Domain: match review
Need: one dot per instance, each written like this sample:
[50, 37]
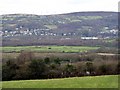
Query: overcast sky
[45, 7]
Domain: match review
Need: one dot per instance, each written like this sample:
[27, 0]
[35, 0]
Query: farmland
[110, 81]
[71, 50]
[67, 49]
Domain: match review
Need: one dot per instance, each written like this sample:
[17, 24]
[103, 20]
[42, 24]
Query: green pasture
[110, 81]
[73, 49]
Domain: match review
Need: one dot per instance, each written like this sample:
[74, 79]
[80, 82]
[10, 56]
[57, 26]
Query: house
[89, 38]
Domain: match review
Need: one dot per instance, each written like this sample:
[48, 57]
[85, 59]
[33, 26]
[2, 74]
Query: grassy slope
[49, 48]
[76, 82]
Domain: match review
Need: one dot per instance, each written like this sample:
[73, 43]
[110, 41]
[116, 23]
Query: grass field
[110, 81]
[48, 48]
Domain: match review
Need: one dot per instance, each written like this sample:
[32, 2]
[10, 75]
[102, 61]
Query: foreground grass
[48, 48]
[76, 82]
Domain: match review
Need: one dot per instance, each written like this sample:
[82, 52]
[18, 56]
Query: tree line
[27, 66]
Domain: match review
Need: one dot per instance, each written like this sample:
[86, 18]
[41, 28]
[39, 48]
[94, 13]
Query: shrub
[9, 70]
[57, 61]
[47, 60]
[25, 56]
[69, 70]
[103, 69]
[89, 67]
[118, 68]
[37, 68]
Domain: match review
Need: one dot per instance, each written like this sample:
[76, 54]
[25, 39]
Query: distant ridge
[64, 13]
[58, 29]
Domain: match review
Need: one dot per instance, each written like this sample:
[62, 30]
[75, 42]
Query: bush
[37, 68]
[69, 70]
[47, 60]
[89, 67]
[103, 69]
[25, 56]
[118, 68]
[9, 70]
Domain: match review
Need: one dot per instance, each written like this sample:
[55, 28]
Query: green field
[73, 49]
[110, 81]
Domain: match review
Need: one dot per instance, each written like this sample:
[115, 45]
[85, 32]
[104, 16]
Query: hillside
[61, 29]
